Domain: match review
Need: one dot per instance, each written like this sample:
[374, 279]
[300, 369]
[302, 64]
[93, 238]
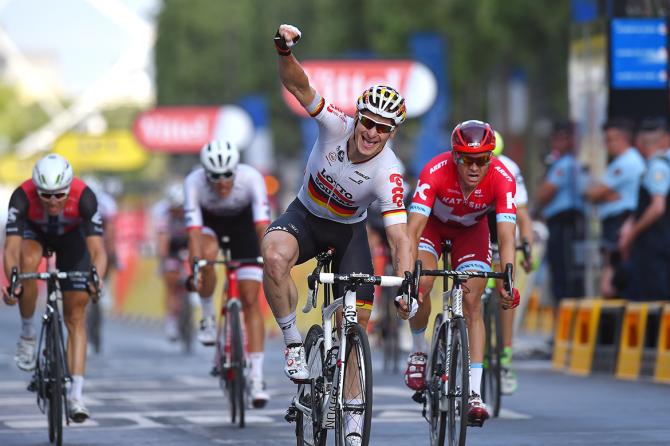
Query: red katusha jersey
[438, 194]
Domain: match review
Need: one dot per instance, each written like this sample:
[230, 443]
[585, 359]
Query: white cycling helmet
[52, 173]
[175, 195]
[219, 157]
[383, 101]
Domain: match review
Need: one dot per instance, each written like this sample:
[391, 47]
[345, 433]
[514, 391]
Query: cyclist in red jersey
[55, 212]
[454, 193]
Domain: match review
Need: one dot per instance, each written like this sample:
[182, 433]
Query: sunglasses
[48, 195]
[214, 177]
[369, 123]
[468, 161]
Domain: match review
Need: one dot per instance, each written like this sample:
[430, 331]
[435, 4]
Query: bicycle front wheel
[491, 388]
[308, 430]
[236, 378]
[55, 376]
[436, 389]
[458, 388]
[355, 414]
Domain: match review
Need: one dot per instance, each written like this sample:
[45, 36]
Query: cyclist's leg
[171, 279]
[209, 247]
[31, 256]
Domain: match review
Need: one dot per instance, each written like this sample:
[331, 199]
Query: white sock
[27, 328]
[419, 343]
[76, 387]
[207, 306]
[289, 329]
[476, 369]
[353, 420]
[256, 362]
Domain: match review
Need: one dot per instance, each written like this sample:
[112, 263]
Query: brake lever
[95, 279]
[508, 282]
[14, 279]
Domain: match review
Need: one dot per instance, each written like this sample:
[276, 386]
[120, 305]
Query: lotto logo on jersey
[398, 191]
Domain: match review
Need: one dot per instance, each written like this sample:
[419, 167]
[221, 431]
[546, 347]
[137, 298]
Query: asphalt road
[144, 391]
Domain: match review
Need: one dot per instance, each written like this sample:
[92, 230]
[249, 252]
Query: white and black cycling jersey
[334, 188]
[248, 191]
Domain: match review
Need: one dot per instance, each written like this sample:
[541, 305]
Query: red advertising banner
[342, 81]
[187, 129]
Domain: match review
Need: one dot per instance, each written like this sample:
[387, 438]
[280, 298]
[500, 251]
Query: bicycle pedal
[259, 404]
[32, 387]
[291, 414]
[419, 397]
[214, 372]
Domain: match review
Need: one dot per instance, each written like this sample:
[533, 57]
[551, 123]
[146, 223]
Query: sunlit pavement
[144, 391]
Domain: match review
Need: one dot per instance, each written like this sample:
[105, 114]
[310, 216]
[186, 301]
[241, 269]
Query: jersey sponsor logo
[502, 172]
[421, 190]
[356, 181]
[11, 215]
[398, 191]
[323, 175]
[331, 157]
[361, 174]
[438, 166]
[340, 155]
[510, 200]
[478, 193]
[97, 218]
[455, 201]
[337, 112]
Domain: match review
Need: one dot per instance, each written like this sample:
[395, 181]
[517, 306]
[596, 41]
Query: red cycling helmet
[473, 137]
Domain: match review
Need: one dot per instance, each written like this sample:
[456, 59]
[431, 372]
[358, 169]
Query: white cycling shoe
[353, 439]
[259, 397]
[78, 411]
[296, 365]
[25, 354]
[207, 332]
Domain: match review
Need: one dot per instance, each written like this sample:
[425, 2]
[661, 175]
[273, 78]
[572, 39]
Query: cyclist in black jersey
[55, 212]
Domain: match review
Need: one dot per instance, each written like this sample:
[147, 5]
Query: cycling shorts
[243, 241]
[315, 235]
[71, 253]
[470, 245]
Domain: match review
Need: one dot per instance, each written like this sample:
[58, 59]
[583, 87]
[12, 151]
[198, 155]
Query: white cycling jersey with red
[334, 188]
[438, 194]
[248, 190]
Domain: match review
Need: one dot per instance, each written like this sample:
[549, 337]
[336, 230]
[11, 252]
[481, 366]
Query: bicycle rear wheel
[355, 415]
[435, 384]
[235, 376]
[458, 388]
[491, 387]
[308, 430]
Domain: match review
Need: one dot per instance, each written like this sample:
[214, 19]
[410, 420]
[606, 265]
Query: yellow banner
[114, 151]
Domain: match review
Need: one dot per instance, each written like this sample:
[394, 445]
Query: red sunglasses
[468, 161]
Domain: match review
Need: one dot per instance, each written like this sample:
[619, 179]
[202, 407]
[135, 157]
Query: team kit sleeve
[390, 195]
[91, 219]
[505, 199]
[192, 212]
[17, 212]
[260, 204]
[332, 121]
[424, 193]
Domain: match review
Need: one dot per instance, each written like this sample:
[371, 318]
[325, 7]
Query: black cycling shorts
[71, 253]
[239, 228]
[315, 235]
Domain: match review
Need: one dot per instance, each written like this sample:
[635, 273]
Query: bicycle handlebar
[91, 276]
[360, 279]
[506, 275]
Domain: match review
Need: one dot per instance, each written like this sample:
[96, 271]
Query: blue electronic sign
[639, 53]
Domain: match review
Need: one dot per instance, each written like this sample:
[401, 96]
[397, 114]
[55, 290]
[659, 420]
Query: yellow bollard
[662, 372]
[531, 317]
[584, 336]
[563, 333]
[632, 341]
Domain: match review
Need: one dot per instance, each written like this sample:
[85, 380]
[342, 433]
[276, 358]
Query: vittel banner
[342, 81]
[187, 129]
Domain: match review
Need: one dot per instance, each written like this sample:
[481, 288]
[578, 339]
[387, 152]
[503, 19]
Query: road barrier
[563, 333]
[608, 336]
[639, 340]
[584, 336]
[662, 369]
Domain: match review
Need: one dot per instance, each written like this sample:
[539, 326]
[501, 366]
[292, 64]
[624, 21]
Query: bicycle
[493, 346]
[321, 402]
[230, 344]
[51, 370]
[445, 399]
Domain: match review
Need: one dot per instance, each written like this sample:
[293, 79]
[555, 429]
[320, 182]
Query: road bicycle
[493, 346]
[230, 358]
[52, 375]
[445, 398]
[339, 387]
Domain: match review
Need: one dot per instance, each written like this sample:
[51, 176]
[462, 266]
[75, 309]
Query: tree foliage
[213, 52]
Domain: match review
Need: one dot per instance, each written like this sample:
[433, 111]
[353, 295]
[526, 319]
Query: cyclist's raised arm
[292, 75]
